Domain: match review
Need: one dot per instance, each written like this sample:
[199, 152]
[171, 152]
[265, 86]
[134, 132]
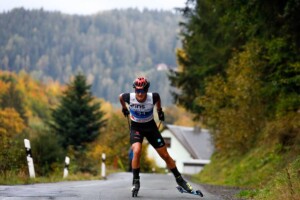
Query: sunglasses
[140, 91]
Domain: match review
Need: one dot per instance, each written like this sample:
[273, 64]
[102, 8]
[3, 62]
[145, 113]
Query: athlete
[141, 105]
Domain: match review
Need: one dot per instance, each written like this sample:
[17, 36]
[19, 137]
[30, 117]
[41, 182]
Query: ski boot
[135, 187]
[185, 185]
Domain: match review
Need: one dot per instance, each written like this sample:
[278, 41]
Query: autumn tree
[11, 126]
[12, 98]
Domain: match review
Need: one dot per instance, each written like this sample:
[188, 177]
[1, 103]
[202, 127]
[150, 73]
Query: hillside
[239, 74]
[110, 48]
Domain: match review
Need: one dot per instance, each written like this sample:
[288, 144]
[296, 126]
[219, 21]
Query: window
[168, 142]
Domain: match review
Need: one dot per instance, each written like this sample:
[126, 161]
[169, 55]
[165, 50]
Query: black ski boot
[135, 187]
[182, 183]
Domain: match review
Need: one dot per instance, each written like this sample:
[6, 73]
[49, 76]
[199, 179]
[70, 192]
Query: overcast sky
[86, 7]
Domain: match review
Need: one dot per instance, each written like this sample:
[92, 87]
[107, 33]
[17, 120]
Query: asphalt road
[117, 186]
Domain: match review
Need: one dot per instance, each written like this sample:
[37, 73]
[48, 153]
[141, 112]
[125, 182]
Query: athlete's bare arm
[158, 104]
[122, 101]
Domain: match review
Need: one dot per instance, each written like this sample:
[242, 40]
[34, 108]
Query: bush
[47, 153]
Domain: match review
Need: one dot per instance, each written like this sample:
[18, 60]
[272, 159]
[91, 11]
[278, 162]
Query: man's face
[140, 94]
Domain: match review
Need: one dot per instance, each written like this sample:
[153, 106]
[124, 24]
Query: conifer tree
[78, 119]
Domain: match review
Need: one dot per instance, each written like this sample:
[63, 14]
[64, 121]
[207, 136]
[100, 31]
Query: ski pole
[159, 125]
[128, 122]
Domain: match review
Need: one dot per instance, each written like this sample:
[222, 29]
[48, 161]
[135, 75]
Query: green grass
[264, 173]
[285, 185]
[240, 171]
[21, 177]
[15, 179]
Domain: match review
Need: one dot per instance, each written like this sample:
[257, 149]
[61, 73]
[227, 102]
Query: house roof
[197, 142]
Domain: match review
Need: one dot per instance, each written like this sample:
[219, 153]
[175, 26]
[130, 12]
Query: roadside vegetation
[53, 117]
[45, 114]
[239, 74]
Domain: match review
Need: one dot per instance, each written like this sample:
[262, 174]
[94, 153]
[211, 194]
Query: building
[190, 147]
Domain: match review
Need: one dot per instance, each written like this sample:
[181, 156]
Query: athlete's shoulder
[125, 96]
[156, 97]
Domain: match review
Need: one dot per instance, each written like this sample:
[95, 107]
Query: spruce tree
[78, 119]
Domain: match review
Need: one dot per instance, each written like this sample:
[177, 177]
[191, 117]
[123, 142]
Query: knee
[137, 152]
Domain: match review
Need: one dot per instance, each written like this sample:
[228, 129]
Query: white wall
[176, 151]
[192, 169]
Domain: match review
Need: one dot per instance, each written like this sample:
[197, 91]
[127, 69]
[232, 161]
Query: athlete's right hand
[125, 112]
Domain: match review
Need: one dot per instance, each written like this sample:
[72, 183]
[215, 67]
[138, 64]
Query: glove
[161, 115]
[125, 112]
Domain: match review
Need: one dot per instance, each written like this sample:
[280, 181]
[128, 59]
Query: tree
[78, 119]
[215, 31]
[13, 99]
[207, 45]
[11, 126]
[239, 67]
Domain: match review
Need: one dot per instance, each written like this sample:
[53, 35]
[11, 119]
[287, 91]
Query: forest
[111, 48]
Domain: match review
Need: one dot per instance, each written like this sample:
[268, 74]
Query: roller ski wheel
[194, 192]
[135, 187]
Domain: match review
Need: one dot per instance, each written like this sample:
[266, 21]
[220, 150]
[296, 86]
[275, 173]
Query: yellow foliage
[107, 108]
[178, 116]
[32, 88]
[10, 123]
[233, 107]
[114, 141]
[37, 98]
[3, 87]
[54, 88]
[180, 55]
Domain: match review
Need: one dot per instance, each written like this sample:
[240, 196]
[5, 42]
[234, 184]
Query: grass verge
[261, 174]
[21, 177]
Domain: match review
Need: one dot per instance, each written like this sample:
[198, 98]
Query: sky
[87, 7]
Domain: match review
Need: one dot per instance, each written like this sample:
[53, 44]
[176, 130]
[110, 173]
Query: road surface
[117, 186]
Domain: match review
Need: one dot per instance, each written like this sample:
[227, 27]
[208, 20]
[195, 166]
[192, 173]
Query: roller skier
[141, 104]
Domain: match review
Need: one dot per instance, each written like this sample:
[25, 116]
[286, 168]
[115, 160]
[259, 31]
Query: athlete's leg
[163, 153]
[137, 151]
[136, 140]
[157, 141]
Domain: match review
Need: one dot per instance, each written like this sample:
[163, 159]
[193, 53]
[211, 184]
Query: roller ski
[185, 187]
[194, 192]
[135, 187]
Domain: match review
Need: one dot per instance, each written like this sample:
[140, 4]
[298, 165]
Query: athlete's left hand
[161, 115]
